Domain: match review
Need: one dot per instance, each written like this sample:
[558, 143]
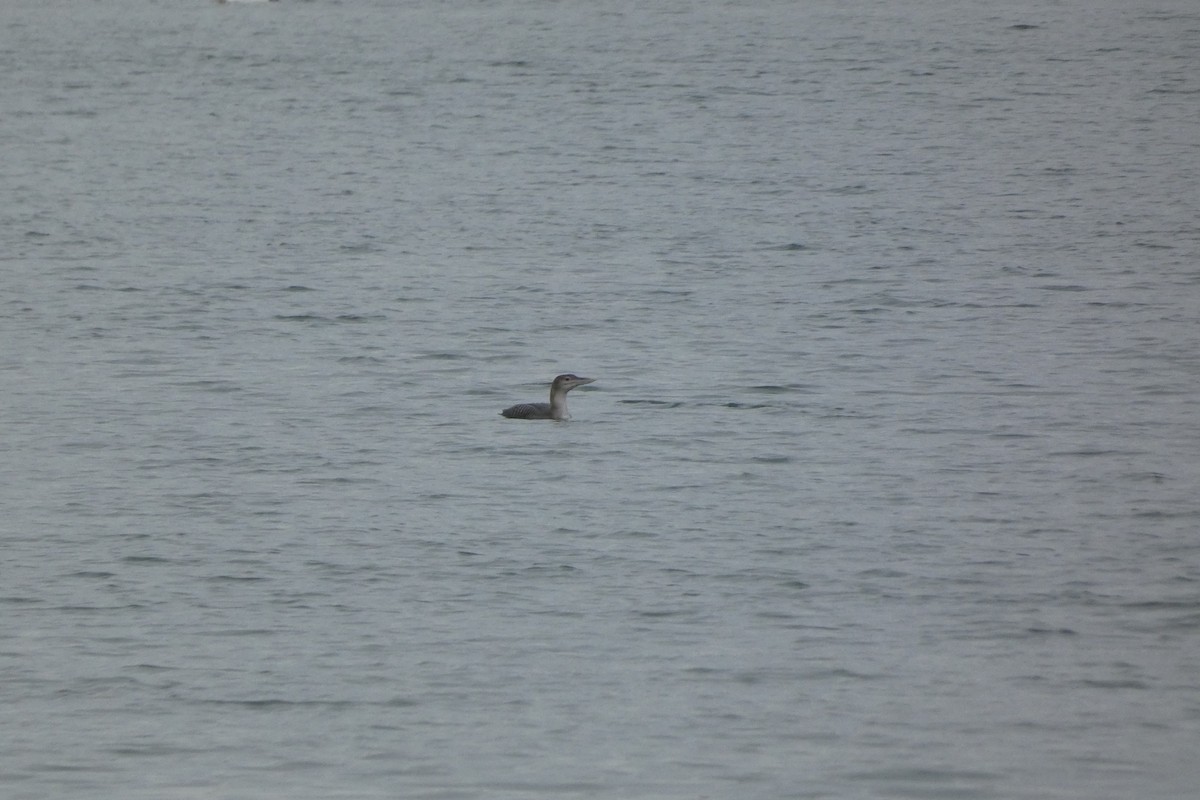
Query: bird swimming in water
[556, 409]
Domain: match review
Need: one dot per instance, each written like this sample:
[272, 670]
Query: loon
[556, 409]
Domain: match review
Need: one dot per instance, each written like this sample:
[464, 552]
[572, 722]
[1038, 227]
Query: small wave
[660, 403]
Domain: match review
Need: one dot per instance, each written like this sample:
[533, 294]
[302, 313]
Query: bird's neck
[558, 404]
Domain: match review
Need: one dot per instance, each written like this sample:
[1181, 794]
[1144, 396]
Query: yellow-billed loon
[557, 407]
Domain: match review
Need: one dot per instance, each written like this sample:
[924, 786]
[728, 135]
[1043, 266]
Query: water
[887, 487]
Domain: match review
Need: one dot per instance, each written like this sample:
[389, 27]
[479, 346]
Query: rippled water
[886, 488]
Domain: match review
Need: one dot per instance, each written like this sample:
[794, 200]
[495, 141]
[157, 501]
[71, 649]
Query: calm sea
[888, 486]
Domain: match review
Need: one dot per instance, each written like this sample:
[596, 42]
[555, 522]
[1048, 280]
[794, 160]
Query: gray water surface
[887, 487]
